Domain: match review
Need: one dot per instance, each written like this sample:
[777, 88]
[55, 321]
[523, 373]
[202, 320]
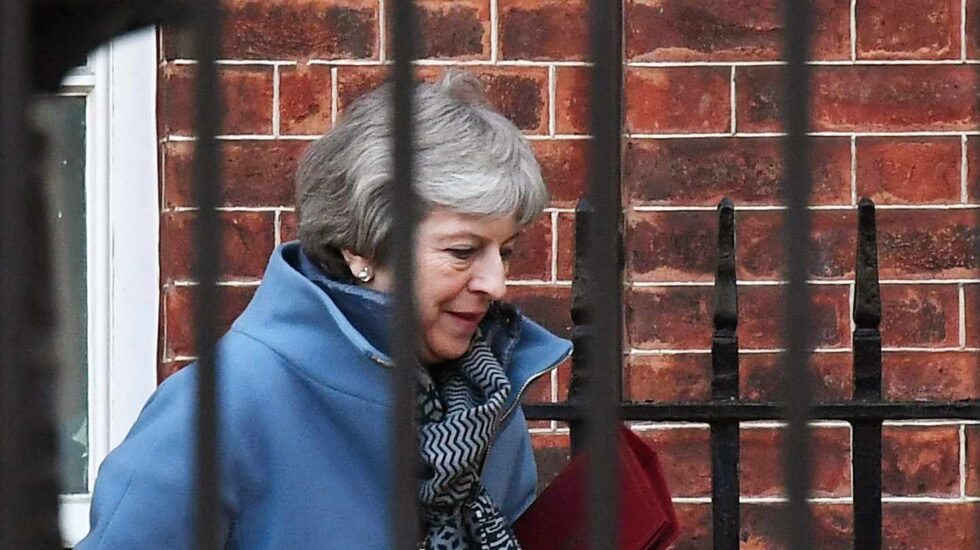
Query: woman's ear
[360, 267]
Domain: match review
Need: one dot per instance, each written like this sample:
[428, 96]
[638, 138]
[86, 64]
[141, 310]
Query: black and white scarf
[459, 411]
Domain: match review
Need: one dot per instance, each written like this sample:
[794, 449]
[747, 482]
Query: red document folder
[557, 519]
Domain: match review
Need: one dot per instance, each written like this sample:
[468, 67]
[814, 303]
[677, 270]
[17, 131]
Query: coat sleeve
[144, 495]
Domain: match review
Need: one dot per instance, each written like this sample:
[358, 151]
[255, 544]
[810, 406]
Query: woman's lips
[468, 320]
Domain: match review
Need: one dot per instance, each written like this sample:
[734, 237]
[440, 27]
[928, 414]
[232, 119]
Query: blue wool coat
[305, 397]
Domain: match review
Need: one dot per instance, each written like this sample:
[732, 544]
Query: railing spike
[867, 294]
[726, 292]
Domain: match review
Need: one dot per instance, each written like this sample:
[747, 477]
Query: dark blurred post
[403, 509]
[28, 483]
[796, 335]
[604, 359]
[207, 238]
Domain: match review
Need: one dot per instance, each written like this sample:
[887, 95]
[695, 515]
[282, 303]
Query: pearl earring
[366, 275]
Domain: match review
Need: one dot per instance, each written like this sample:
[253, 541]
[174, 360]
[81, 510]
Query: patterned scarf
[459, 412]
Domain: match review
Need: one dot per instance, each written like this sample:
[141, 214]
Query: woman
[304, 374]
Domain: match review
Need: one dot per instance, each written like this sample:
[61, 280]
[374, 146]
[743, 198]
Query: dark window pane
[62, 118]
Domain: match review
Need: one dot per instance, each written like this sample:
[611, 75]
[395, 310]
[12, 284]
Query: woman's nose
[490, 277]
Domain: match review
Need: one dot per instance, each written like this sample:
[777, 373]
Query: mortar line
[276, 227]
[732, 102]
[552, 99]
[494, 36]
[962, 314]
[276, 117]
[854, 170]
[853, 30]
[382, 30]
[554, 247]
[334, 98]
[964, 170]
[963, 30]
[963, 461]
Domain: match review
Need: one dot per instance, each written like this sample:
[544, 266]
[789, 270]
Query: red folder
[557, 519]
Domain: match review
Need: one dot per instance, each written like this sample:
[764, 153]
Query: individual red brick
[247, 241]
[760, 316]
[971, 293]
[909, 170]
[304, 99]
[761, 475]
[692, 30]
[700, 172]
[667, 378]
[288, 226]
[256, 173]
[973, 460]
[246, 95]
[973, 169]
[764, 526]
[564, 169]
[671, 246]
[547, 305]
[566, 246]
[680, 317]
[450, 30]
[552, 452]
[678, 99]
[518, 93]
[865, 98]
[296, 29]
[932, 376]
[762, 374]
[179, 307]
[929, 244]
[920, 461]
[669, 317]
[915, 29]
[572, 100]
[930, 526]
[760, 241]
[972, 29]
[920, 315]
[531, 257]
[685, 457]
[355, 81]
[695, 521]
[544, 29]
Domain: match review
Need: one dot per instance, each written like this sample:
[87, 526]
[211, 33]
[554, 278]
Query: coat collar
[335, 333]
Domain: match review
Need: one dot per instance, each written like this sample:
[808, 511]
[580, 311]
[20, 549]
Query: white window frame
[122, 225]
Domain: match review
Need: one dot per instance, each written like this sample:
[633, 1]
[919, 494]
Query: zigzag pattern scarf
[458, 415]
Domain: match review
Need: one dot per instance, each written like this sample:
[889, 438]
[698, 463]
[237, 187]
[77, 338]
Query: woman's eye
[462, 253]
[505, 253]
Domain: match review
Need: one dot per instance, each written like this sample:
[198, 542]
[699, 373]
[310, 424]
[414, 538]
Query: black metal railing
[28, 503]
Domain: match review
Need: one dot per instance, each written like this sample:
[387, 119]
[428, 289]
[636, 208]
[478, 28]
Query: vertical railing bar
[28, 480]
[866, 454]
[13, 276]
[796, 188]
[207, 239]
[604, 260]
[404, 506]
[725, 486]
[583, 327]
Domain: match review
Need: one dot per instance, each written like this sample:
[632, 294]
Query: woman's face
[461, 262]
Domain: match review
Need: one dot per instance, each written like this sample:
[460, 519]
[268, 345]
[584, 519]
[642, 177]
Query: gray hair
[468, 159]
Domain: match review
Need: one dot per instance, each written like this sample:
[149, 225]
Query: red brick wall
[894, 103]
